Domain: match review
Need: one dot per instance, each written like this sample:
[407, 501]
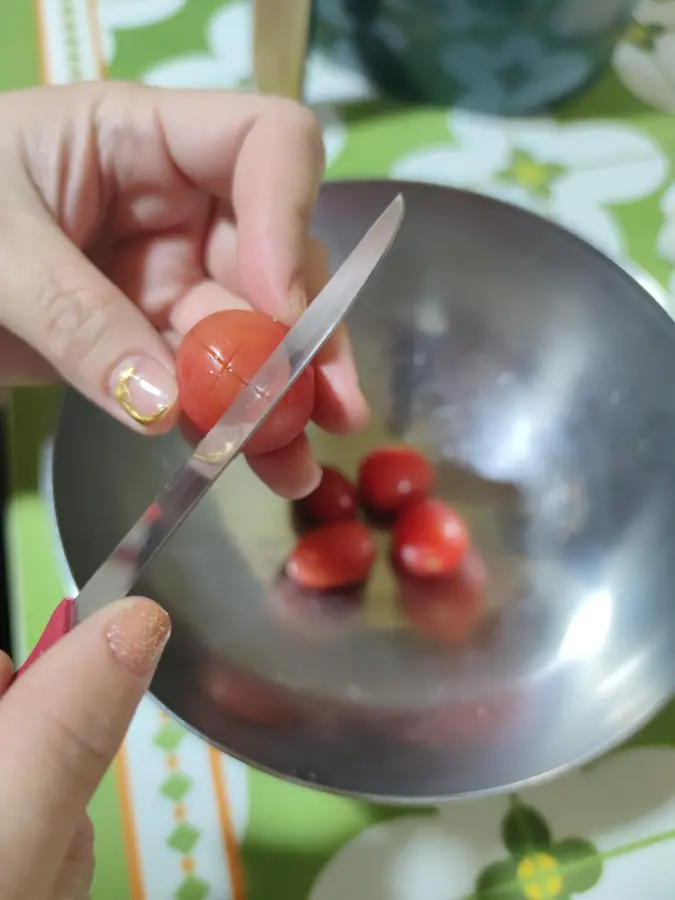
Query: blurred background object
[499, 56]
[280, 33]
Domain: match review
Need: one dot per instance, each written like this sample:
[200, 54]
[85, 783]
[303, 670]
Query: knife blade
[225, 441]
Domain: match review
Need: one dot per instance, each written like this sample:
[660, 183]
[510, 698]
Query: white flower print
[228, 63]
[571, 173]
[645, 58]
[618, 816]
[114, 15]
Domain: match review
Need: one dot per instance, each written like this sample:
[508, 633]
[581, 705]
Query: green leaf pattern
[175, 789]
[540, 868]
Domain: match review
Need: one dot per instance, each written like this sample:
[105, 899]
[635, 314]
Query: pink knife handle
[60, 623]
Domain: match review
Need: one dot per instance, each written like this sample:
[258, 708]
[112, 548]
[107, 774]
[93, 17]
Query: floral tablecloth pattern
[175, 818]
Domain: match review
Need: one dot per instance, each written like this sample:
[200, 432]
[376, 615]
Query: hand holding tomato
[160, 208]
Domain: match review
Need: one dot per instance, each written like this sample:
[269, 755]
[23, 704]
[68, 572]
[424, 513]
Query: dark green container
[500, 56]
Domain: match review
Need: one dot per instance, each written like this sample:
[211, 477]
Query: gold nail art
[123, 397]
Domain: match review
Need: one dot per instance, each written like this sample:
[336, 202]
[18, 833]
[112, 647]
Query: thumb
[61, 725]
[77, 873]
[57, 301]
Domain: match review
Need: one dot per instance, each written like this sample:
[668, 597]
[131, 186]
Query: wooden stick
[280, 36]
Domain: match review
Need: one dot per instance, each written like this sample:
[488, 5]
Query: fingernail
[144, 388]
[137, 632]
[345, 385]
[342, 375]
[313, 475]
[303, 478]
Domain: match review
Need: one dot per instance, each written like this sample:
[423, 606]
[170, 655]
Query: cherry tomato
[393, 476]
[219, 355]
[333, 501]
[429, 539]
[332, 557]
[447, 610]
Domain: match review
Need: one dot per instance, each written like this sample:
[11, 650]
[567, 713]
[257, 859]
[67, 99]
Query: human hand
[61, 724]
[129, 213]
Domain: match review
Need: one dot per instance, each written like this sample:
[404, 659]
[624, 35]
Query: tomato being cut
[332, 557]
[429, 539]
[333, 501]
[219, 356]
[393, 476]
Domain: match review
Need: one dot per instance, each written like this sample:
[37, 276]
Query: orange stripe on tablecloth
[227, 826]
[96, 42]
[43, 43]
[129, 826]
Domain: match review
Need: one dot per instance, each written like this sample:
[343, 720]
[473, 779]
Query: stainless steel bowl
[538, 376]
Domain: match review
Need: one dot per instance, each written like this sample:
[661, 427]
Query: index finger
[264, 156]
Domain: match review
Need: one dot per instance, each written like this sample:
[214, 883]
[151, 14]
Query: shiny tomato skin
[333, 501]
[391, 477]
[219, 356]
[429, 539]
[332, 557]
[447, 610]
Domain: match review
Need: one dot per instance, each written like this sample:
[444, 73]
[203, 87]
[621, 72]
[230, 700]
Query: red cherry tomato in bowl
[332, 557]
[392, 476]
[333, 501]
[219, 356]
[429, 539]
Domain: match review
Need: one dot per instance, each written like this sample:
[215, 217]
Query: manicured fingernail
[137, 632]
[144, 388]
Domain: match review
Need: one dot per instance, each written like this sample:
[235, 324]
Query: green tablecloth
[175, 819]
